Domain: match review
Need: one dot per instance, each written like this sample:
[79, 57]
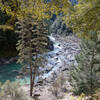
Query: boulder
[50, 45]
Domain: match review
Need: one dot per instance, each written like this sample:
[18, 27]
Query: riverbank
[59, 61]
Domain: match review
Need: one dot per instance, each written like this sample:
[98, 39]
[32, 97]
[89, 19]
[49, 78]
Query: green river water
[7, 72]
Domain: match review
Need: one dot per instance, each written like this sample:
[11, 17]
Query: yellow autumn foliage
[85, 18]
[21, 8]
[5, 27]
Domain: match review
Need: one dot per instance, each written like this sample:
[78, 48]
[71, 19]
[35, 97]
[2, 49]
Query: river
[58, 60]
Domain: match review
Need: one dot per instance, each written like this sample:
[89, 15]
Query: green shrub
[11, 91]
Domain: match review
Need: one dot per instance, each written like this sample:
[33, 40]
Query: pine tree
[32, 42]
[85, 78]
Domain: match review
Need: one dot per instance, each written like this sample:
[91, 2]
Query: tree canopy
[19, 9]
[85, 18]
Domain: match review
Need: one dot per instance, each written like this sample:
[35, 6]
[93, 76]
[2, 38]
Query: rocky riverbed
[63, 55]
[59, 60]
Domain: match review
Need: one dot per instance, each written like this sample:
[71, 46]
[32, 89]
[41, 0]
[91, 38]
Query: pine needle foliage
[85, 78]
[32, 43]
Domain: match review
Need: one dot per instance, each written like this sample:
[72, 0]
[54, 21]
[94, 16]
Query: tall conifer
[32, 42]
[85, 78]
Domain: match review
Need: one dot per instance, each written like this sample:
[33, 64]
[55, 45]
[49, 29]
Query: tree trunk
[31, 81]
[35, 72]
[31, 65]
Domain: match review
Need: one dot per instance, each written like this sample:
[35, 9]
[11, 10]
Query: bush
[57, 87]
[11, 91]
